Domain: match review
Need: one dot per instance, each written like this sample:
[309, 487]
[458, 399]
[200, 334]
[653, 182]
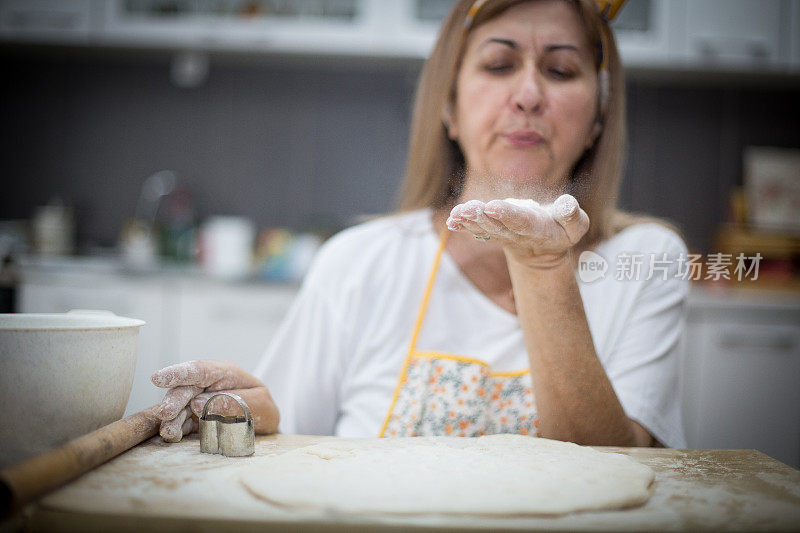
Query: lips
[524, 138]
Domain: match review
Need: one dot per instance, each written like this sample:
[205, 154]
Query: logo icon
[591, 266]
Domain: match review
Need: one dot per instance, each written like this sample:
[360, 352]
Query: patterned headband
[608, 10]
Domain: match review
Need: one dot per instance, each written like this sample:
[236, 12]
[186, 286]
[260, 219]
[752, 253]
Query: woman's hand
[537, 235]
[190, 386]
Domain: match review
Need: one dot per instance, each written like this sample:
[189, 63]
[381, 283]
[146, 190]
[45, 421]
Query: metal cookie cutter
[232, 436]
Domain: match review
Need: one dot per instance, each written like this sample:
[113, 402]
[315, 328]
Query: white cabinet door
[409, 27]
[742, 383]
[794, 35]
[142, 299]
[57, 21]
[329, 27]
[229, 322]
[736, 33]
[645, 31]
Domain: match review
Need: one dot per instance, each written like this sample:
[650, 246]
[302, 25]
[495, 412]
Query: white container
[227, 246]
[62, 376]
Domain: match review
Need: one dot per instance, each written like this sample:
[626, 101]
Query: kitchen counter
[732, 297]
[703, 296]
[159, 487]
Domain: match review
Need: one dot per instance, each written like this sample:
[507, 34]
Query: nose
[529, 93]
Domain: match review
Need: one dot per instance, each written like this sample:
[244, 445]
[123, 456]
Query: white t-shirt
[333, 365]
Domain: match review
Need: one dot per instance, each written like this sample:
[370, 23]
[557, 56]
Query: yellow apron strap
[420, 316]
[428, 289]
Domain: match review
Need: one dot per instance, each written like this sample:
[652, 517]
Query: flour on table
[491, 475]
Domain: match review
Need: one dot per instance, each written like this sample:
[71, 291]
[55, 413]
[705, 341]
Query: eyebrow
[508, 42]
[515, 46]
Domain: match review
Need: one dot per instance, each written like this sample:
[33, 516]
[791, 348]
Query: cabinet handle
[711, 48]
[705, 48]
[773, 341]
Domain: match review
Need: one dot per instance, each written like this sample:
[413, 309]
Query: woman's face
[526, 99]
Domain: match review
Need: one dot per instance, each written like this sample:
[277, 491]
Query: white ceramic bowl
[62, 376]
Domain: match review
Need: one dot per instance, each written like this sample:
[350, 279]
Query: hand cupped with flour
[192, 383]
[537, 235]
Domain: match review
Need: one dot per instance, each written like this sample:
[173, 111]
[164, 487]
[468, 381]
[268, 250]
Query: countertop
[32, 268]
[158, 487]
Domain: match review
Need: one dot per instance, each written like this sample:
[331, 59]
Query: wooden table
[160, 487]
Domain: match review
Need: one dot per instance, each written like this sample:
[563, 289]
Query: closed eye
[560, 74]
[499, 68]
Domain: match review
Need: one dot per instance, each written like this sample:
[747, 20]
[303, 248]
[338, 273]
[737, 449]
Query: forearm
[265, 412]
[575, 400]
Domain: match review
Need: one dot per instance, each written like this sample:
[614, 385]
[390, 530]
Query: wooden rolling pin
[34, 477]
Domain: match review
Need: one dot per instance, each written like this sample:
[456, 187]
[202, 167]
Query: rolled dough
[491, 475]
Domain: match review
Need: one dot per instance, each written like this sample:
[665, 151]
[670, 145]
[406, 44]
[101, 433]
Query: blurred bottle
[178, 227]
[139, 238]
[737, 206]
[54, 229]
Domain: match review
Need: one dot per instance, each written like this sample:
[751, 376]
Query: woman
[462, 314]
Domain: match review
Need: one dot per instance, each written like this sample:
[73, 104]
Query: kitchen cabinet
[50, 21]
[218, 320]
[296, 26]
[646, 32]
[742, 373]
[412, 25]
[794, 35]
[187, 316]
[737, 35]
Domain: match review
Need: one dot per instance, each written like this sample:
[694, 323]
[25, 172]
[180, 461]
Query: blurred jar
[226, 246]
[282, 255]
[54, 229]
[138, 246]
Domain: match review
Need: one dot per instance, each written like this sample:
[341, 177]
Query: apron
[445, 394]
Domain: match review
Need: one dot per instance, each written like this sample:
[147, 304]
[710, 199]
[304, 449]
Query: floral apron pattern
[445, 394]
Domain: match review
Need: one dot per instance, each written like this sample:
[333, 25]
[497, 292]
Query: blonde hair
[435, 164]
